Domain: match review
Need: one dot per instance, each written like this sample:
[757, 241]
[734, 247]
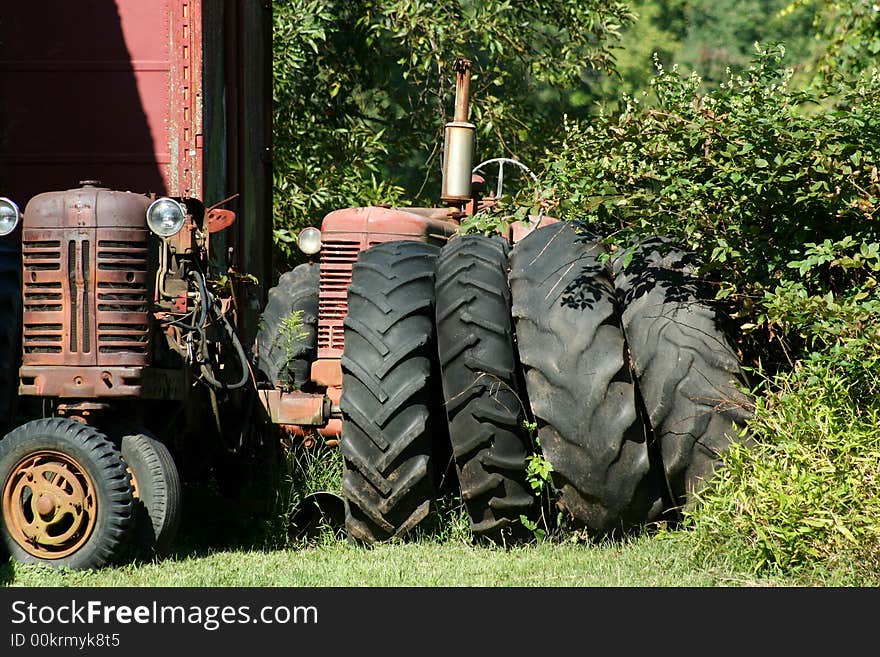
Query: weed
[291, 331]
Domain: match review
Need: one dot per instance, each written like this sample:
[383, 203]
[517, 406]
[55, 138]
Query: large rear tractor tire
[484, 405]
[157, 494]
[287, 339]
[688, 371]
[579, 383]
[10, 330]
[391, 405]
[67, 499]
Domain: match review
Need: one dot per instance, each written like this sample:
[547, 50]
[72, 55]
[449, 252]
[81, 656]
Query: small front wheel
[157, 493]
[66, 496]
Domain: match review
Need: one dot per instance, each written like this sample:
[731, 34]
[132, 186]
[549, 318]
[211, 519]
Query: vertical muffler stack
[458, 151]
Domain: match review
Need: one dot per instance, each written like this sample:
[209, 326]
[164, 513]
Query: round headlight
[9, 216]
[309, 241]
[166, 217]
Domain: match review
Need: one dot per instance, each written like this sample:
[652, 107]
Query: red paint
[106, 90]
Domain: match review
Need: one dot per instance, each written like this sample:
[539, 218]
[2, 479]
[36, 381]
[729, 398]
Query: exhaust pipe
[458, 147]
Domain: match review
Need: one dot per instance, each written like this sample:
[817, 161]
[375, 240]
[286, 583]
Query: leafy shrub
[807, 495]
[745, 174]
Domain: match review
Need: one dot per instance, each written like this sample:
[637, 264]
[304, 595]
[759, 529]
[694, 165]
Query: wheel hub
[46, 505]
[49, 504]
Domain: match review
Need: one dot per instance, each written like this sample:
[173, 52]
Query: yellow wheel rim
[49, 504]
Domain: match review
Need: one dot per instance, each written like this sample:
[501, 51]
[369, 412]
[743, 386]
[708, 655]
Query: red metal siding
[106, 90]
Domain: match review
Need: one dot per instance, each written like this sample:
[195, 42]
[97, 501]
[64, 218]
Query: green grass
[220, 547]
[644, 562]
[220, 544]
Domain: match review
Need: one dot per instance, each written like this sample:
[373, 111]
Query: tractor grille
[43, 308]
[122, 298]
[85, 305]
[337, 258]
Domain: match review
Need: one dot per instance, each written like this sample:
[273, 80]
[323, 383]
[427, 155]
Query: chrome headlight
[309, 241]
[9, 216]
[166, 217]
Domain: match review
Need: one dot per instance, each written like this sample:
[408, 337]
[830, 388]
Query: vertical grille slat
[73, 295]
[86, 306]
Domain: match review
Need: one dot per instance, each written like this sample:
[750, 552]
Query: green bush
[746, 174]
[807, 495]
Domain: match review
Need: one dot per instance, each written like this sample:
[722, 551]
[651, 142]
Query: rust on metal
[50, 504]
[135, 488]
[344, 234]
[327, 372]
[217, 220]
[102, 382]
[80, 382]
[331, 431]
[462, 68]
[185, 99]
[81, 411]
[519, 229]
[298, 408]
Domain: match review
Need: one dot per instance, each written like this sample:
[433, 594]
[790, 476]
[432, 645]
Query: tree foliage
[849, 31]
[362, 89]
[721, 35]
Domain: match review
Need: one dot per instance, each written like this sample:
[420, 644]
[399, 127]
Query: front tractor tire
[157, 494]
[484, 403]
[390, 404]
[287, 339]
[66, 496]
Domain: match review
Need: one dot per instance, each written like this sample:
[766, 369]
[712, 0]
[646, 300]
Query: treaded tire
[579, 384]
[484, 405]
[686, 366]
[158, 494]
[10, 329]
[281, 358]
[111, 485]
[390, 402]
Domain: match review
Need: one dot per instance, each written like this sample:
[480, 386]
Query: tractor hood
[87, 206]
[378, 222]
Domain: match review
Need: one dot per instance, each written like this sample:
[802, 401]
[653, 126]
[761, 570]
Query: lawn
[222, 548]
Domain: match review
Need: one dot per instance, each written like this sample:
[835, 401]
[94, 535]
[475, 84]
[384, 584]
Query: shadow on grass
[212, 522]
[7, 574]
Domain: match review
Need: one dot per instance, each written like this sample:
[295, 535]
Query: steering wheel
[500, 162]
